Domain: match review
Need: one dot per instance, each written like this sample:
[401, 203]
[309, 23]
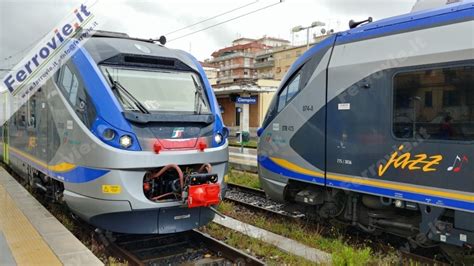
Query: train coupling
[203, 190]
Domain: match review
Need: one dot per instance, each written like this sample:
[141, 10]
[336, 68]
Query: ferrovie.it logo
[13, 81]
[46, 57]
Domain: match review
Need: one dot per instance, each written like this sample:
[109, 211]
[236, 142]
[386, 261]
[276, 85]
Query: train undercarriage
[424, 226]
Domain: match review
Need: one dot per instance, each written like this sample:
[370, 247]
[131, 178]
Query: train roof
[104, 48]
[456, 12]
[408, 22]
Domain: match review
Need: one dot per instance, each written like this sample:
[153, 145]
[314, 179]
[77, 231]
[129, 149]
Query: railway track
[256, 199]
[196, 248]
[187, 248]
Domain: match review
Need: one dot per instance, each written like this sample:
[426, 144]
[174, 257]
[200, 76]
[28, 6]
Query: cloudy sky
[24, 22]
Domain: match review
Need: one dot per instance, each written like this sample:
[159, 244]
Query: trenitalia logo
[37, 62]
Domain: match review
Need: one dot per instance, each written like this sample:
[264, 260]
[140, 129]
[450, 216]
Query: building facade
[246, 75]
[274, 63]
[242, 96]
[236, 63]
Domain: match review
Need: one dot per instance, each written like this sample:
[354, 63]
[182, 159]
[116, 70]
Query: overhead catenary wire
[225, 21]
[216, 16]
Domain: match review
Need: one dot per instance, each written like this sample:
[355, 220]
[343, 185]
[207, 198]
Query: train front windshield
[168, 91]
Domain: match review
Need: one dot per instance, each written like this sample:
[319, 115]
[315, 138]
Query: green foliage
[331, 240]
[243, 179]
[270, 254]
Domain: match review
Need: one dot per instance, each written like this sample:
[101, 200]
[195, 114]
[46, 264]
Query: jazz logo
[406, 161]
[457, 165]
[178, 133]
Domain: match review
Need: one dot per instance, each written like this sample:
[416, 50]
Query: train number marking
[344, 161]
[418, 162]
[308, 108]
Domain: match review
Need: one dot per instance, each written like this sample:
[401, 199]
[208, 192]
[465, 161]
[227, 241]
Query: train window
[435, 104]
[288, 92]
[159, 91]
[293, 88]
[282, 99]
[74, 91]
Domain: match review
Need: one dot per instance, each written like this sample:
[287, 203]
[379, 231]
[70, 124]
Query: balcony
[234, 77]
[230, 56]
[266, 75]
[264, 53]
[234, 66]
[269, 63]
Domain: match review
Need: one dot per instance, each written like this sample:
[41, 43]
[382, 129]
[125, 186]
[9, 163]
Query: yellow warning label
[226, 177]
[111, 189]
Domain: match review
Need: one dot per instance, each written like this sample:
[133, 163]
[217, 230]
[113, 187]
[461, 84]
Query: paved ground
[245, 160]
[30, 235]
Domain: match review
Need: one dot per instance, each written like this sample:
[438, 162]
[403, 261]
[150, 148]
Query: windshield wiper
[198, 98]
[119, 87]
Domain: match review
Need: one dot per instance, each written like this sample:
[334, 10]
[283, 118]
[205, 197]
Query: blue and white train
[128, 133]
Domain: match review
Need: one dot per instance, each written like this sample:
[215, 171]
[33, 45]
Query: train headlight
[218, 138]
[125, 141]
[108, 134]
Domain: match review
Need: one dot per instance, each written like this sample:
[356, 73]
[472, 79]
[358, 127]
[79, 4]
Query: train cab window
[435, 104]
[288, 92]
[70, 84]
[72, 88]
[282, 99]
[293, 88]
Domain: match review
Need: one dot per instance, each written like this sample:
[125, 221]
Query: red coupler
[204, 195]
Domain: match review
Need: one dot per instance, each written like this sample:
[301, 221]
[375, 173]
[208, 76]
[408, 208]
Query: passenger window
[435, 103]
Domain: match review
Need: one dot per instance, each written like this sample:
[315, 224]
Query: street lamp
[300, 28]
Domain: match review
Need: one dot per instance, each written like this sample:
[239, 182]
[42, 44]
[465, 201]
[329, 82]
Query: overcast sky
[24, 22]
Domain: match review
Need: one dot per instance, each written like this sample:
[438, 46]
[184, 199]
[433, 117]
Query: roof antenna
[354, 24]
[161, 40]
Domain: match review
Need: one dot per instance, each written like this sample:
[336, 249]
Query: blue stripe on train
[268, 164]
[79, 174]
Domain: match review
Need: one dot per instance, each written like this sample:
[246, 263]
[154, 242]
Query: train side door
[40, 119]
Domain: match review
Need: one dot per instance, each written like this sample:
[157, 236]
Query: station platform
[243, 160]
[30, 235]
